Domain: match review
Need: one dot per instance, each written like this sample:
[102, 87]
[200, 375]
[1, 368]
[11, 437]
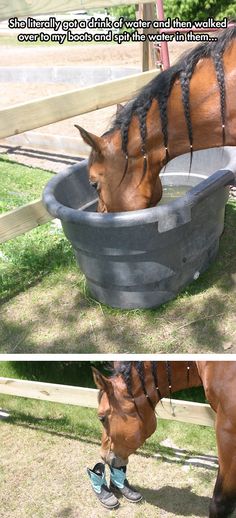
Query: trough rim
[221, 178]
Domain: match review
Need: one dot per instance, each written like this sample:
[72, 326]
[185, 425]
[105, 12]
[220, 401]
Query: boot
[120, 485]
[99, 485]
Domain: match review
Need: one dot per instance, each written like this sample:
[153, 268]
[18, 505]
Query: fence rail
[27, 116]
[31, 115]
[21, 220]
[48, 110]
[175, 410]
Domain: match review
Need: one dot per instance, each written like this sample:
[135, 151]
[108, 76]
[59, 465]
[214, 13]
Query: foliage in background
[125, 11]
[65, 373]
[199, 10]
[184, 9]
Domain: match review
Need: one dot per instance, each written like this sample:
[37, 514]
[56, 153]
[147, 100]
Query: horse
[127, 402]
[188, 107]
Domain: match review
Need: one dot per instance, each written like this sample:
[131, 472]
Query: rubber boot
[99, 485]
[120, 485]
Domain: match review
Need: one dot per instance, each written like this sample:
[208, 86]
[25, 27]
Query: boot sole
[109, 507]
[117, 492]
[132, 501]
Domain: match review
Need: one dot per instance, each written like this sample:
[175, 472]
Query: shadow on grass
[171, 500]
[225, 264]
[62, 427]
[21, 337]
[50, 425]
[118, 329]
[32, 265]
[65, 513]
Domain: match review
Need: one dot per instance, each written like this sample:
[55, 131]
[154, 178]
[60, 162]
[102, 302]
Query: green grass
[83, 422]
[19, 184]
[63, 372]
[27, 258]
[55, 312]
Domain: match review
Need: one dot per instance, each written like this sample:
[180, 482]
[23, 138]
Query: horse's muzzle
[112, 460]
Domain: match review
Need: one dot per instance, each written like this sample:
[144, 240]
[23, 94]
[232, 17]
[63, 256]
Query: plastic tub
[143, 258]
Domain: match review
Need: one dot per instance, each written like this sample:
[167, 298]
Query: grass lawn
[43, 474]
[47, 447]
[46, 306]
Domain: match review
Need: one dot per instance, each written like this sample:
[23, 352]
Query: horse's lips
[112, 460]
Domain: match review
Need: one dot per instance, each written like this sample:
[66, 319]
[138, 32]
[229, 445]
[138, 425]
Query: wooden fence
[30, 115]
[174, 410]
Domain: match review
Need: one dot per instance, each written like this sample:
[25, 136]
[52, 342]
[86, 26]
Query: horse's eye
[94, 184]
[102, 418]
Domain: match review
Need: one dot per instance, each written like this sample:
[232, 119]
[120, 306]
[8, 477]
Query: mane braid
[162, 96]
[139, 366]
[155, 378]
[185, 82]
[168, 370]
[188, 371]
[219, 68]
[160, 88]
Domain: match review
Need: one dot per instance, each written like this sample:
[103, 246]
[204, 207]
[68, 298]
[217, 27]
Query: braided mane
[160, 87]
[124, 368]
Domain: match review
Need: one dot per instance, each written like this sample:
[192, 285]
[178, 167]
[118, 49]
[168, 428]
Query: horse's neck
[204, 111]
[174, 376]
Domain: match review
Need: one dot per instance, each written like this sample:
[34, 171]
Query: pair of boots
[118, 485]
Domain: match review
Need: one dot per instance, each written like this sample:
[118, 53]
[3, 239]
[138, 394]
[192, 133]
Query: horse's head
[124, 181]
[127, 421]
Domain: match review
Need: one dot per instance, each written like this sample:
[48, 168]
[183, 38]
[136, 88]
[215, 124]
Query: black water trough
[143, 258]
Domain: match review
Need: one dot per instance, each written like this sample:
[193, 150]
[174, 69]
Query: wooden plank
[176, 410]
[33, 7]
[46, 141]
[140, 14]
[186, 411]
[150, 14]
[22, 219]
[41, 112]
[65, 394]
[147, 12]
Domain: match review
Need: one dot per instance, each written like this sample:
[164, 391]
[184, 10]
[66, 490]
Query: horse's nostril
[102, 418]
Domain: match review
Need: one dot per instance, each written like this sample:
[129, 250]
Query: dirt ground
[99, 54]
[95, 55]
[43, 474]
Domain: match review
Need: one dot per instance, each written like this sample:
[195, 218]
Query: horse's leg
[224, 497]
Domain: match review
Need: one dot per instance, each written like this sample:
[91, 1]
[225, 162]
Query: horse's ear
[90, 139]
[101, 381]
[119, 108]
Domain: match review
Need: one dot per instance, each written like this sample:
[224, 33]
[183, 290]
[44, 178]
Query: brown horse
[127, 403]
[188, 107]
